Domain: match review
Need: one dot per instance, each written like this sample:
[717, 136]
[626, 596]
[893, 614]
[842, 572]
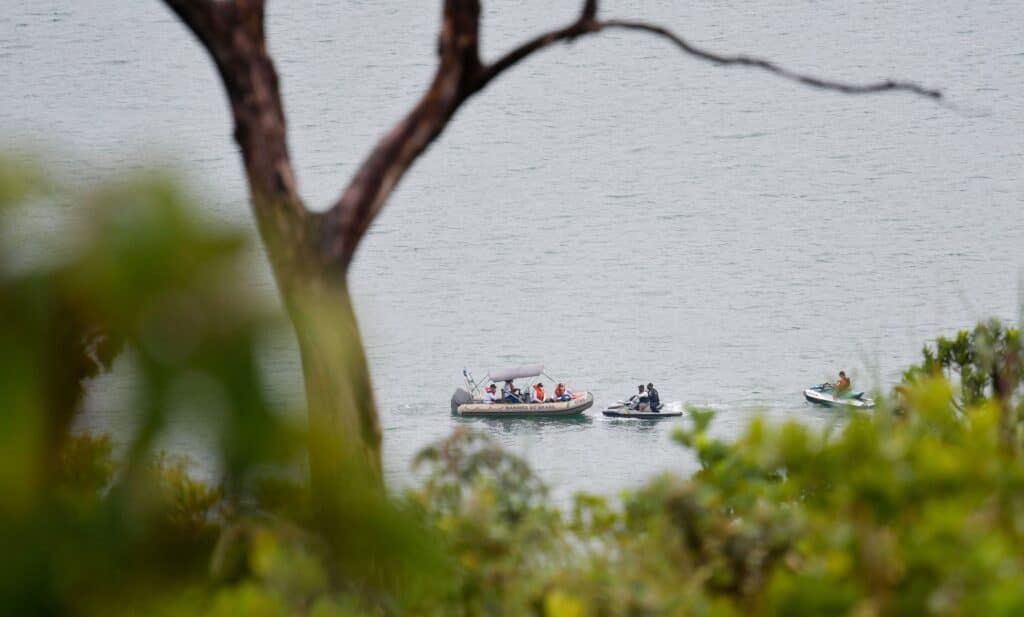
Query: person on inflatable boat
[561, 393]
[509, 393]
[491, 394]
[538, 393]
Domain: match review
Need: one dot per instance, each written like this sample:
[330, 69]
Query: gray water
[611, 208]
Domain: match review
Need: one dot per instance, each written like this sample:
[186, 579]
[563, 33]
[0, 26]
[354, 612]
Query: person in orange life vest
[538, 392]
[843, 385]
[561, 394]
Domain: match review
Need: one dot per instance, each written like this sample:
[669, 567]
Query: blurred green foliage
[986, 361]
[85, 532]
[915, 508]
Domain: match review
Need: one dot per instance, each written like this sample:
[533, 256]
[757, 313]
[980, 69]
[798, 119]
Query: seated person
[509, 393]
[491, 394]
[638, 401]
[653, 400]
[561, 393]
[537, 396]
[843, 386]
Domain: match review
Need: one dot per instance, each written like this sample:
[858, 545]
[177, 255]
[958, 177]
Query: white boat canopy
[516, 372]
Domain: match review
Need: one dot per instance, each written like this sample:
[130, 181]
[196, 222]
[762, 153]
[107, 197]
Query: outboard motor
[461, 397]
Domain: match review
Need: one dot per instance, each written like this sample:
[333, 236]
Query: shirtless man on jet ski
[843, 385]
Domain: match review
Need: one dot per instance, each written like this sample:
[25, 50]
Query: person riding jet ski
[653, 400]
[638, 401]
[843, 385]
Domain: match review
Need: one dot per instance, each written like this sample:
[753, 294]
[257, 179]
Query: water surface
[615, 210]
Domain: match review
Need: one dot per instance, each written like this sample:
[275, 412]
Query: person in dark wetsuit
[653, 401]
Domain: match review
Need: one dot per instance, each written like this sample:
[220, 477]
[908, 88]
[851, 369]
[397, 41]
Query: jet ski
[622, 409]
[824, 394]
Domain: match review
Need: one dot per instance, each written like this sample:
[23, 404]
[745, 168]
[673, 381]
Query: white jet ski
[824, 394]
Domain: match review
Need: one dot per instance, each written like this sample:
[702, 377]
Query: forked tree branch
[460, 75]
[458, 70]
[587, 25]
[233, 33]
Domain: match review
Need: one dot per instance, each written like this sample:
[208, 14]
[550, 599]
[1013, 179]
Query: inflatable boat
[572, 407]
[469, 402]
[824, 394]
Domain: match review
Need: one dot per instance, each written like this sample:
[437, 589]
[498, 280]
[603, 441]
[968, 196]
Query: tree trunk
[344, 433]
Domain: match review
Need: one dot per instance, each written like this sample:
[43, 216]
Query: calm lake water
[613, 209]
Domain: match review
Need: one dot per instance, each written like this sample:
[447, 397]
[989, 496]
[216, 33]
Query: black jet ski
[622, 409]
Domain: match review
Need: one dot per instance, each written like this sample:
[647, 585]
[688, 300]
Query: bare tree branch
[457, 71]
[460, 74]
[587, 24]
[771, 67]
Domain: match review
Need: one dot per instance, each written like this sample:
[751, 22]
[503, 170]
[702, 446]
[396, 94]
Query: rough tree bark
[310, 252]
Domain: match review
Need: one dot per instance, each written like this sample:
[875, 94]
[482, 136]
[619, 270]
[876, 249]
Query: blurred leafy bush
[85, 532]
[987, 362]
[916, 508]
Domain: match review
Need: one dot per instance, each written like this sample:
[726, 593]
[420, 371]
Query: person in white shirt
[491, 394]
[637, 399]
